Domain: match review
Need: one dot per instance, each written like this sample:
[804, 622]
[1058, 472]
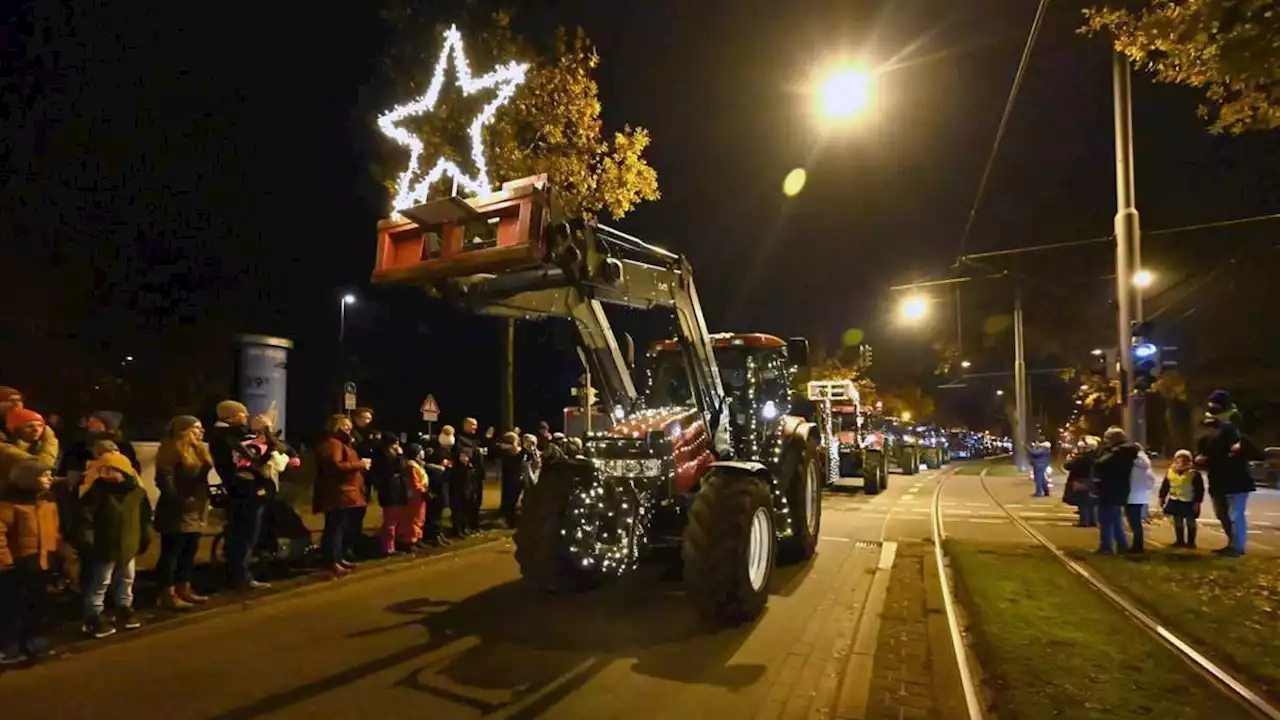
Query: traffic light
[1146, 363]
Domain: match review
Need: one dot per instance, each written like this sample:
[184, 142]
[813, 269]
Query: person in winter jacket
[1039, 455]
[1141, 483]
[101, 425]
[477, 448]
[419, 487]
[339, 491]
[365, 439]
[1181, 493]
[182, 476]
[439, 465]
[26, 438]
[392, 481]
[28, 542]
[510, 467]
[1079, 489]
[1224, 454]
[114, 530]
[42, 445]
[530, 461]
[1112, 469]
[242, 469]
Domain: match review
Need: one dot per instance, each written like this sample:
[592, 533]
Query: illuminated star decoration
[413, 185]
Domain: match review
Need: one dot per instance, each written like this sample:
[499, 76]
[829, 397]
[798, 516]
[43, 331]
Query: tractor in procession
[705, 459]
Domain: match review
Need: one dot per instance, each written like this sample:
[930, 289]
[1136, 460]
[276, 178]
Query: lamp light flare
[348, 299]
[845, 93]
[1143, 279]
[966, 364]
[914, 308]
[413, 185]
[794, 182]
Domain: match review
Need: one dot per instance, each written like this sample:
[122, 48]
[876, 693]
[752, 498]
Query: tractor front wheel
[541, 548]
[804, 503]
[729, 548]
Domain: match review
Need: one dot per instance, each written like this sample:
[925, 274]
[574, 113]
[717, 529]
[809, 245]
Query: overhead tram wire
[1004, 122]
[1109, 238]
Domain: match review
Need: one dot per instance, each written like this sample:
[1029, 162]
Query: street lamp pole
[1019, 381]
[1128, 247]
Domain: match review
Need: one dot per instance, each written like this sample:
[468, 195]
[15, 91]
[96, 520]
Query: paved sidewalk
[902, 676]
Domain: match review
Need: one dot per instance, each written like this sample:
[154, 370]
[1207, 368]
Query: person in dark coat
[339, 491]
[241, 467]
[1079, 489]
[1112, 469]
[469, 471]
[182, 476]
[511, 460]
[439, 464]
[392, 482]
[1224, 454]
[100, 425]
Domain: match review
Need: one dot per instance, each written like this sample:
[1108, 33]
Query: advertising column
[263, 375]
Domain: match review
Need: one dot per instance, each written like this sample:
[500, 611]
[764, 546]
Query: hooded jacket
[28, 520]
[115, 516]
[1112, 469]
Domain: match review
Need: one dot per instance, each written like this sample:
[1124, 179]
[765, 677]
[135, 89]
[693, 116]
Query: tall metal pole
[1128, 246]
[1019, 382]
[509, 376]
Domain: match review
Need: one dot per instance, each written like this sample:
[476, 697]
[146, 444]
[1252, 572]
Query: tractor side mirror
[798, 351]
[629, 350]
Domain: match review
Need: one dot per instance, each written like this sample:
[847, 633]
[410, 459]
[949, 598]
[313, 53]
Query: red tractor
[706, 458]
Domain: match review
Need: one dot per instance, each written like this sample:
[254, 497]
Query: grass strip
[1227, 608]
[1051, 646]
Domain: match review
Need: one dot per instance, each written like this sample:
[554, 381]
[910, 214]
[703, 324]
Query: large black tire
[541, 550]
[933, 458]
[717, 548]
[874, 472]
[803, 478]
[910, 464]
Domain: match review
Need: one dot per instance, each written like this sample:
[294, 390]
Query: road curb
[248, 603]
[855, 691]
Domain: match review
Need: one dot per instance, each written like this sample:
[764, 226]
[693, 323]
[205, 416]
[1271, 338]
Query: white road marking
[834, 539]
[984, 520]
[1014, 505]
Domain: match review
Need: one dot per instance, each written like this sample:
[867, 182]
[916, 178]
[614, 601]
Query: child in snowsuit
[28, 542]
[419, 486]
[1181, 494]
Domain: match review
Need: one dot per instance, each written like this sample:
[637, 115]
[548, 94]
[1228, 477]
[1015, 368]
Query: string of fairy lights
[413, 185]
[599, 504]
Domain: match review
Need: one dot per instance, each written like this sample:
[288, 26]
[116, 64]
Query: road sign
[430, 409]
[349, 396]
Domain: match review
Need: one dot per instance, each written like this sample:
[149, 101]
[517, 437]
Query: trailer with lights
[713, 466]
[848, 449]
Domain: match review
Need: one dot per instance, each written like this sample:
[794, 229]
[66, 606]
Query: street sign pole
[1128, 246]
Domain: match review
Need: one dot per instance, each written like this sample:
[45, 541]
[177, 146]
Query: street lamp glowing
[999, 392]
[844, 93]
[966, 364]
[1143, 279]
[794, 182]
[1096, 352]
[906, 416]
[348, 299]
[914, 308]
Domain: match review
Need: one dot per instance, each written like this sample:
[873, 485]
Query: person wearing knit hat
[249, 489]
[1224, 454]
[101, 433]
[28, 541]
[114, 529]
[26, 437]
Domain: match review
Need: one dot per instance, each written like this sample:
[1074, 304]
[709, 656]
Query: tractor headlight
[646, 467]
[770, 410]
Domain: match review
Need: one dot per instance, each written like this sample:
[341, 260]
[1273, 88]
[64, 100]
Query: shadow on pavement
[511, 648]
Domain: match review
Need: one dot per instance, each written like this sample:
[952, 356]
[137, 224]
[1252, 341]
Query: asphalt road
[460, 637]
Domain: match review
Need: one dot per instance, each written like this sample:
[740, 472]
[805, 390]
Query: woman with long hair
[339, 492]
[182, 475]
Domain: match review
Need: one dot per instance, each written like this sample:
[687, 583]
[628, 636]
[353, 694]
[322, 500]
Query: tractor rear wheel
[541, 549]
[874, 472]
[729, 547]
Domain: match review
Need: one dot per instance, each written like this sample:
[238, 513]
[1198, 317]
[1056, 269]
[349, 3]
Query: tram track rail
[1219, 678]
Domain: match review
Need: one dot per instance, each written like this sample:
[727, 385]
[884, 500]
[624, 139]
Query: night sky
[176, 174]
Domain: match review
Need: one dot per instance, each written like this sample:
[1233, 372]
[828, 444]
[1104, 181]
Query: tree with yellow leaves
[1227, 47]
[552, 124]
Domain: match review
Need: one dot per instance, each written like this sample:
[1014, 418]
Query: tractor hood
[669, 420]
